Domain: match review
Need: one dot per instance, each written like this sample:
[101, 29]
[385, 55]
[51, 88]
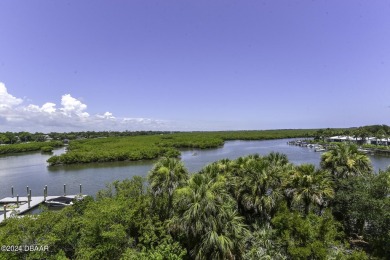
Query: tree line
[30, 147]
[253, 207]
[22, 137]
[363, 131]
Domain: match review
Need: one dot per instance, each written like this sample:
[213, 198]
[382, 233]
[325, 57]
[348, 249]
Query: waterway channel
[31, 169]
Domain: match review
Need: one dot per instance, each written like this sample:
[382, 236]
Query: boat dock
[308, 144]
[18, 205]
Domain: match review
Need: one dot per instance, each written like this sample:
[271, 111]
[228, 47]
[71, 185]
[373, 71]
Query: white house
[351, 139]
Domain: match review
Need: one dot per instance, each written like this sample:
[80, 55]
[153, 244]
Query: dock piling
[27, 190]
[12, 191]
[44, 194]
[17, 200]
[64, 189]
[46, 190]
[29, 199]
[81, 189]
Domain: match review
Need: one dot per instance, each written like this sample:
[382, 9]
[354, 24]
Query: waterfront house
[358, 140]
[343, 138]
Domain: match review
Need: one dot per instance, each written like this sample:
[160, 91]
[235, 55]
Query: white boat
[59, 202]
[319, 148]
[365, 151]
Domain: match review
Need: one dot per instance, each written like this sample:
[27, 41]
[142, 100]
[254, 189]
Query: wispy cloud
[72, 115]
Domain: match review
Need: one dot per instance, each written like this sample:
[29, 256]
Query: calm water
[31, 169]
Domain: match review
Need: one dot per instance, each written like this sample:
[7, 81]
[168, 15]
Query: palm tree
[221, 167]
[225, 240]
[328, 133]
[277, 159]
[167, 175]
[259, 188]
[363, 134]
[356, 134]
[311, 186]
[207, 219]
[345, 160]
[225, 166]
[381, 134]
[226, 169]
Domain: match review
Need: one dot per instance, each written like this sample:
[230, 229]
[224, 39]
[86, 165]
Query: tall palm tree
[363, 134]
[259, 188]
[345, 160]
[221, 167]
[225, 166]
[277, 159]
[311, 186]
[288, 188]
[167, 175]
[381, 134]
[207, 219]
[356, 134]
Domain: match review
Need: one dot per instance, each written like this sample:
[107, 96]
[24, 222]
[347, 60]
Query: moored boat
[319, 148]
[365, 151]
[59, 202]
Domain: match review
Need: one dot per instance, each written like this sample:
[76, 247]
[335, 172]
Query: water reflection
[81, 167]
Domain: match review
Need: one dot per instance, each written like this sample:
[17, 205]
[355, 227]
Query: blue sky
[193, 65]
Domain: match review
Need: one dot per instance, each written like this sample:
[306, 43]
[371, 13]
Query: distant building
[47, 138]
[343, 138]
[377, 141]
[359, 140]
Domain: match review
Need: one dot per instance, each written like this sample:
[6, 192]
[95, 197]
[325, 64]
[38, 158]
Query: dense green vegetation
[46, 149]
[254, 207]
[11, 138]
[28, 147]
[154, 146]
[22, 137]
[166, 144]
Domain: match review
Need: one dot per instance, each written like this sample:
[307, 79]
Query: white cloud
[70, 116]
[7, 101]
[73, 107]
[48, 107]
[106, 115]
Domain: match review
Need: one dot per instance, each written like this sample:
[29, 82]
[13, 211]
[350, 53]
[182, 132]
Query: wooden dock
[23, 204]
